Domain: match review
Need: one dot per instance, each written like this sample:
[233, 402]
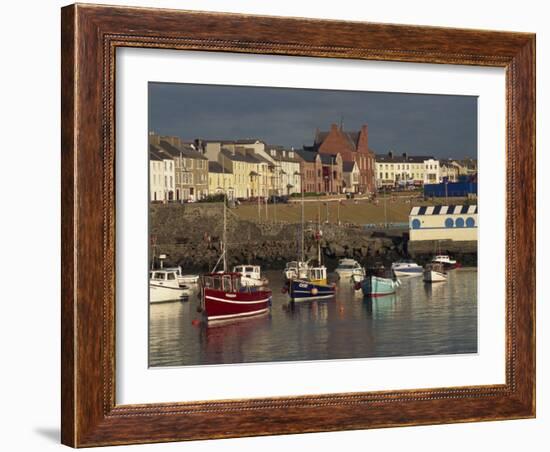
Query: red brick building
[352, 147]
[321, 173]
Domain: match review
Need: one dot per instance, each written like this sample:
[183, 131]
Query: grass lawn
[356, 211]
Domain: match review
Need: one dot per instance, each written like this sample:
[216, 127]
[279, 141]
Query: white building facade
[457, 223]
[392, 170]
[161, 176]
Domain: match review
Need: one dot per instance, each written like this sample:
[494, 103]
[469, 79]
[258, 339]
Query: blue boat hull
[305, 290]
[374, 286]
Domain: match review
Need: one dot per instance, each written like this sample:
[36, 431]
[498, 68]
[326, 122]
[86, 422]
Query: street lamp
[254, 174]
[300, 175]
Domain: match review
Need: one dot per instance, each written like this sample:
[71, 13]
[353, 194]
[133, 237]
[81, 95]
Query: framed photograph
[281, 225]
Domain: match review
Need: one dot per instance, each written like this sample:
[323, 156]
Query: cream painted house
[392, 170]
[287, 170]
[458, 223]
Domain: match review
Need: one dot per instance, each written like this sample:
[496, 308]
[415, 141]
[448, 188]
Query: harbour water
[420, 319]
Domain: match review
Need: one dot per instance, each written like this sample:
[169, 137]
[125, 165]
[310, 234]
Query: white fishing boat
[184, 280]
[435, 272]
[164, 286]
[349, 270]
[406, 268]
[251, 275]
[446, 261]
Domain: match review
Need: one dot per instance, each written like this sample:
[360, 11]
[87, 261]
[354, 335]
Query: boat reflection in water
[420, 319]
[382, 305]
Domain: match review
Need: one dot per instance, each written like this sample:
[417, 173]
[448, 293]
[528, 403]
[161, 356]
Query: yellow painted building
[458, 223]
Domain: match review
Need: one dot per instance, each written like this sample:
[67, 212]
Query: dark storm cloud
[439, 125]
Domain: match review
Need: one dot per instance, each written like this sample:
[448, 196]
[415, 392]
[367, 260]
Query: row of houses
[394, 170]
[338, 161]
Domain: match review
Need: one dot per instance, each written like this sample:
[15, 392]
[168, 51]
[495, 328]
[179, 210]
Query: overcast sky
[443, 126]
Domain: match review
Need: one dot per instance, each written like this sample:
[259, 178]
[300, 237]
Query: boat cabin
[163, 275]
[317, 275]
[444, 259]
[248, 271]
[226, 282]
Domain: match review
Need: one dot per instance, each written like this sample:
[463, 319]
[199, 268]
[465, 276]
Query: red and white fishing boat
[229, 295]
[225, 297]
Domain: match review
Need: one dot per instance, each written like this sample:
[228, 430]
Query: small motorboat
[349, 270]
[314, 287]
[435, 272]
[164, 286]
[251, 275]
[406, 268]
[378, 282]
[446, 261]
[223, 296]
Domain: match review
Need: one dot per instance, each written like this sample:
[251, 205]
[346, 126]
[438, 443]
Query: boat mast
[302, 187]
[224, 242]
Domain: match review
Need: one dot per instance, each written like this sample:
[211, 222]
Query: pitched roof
[215, 167]
[402, 158]
[184, 150]
[156, 153]
[306, 155]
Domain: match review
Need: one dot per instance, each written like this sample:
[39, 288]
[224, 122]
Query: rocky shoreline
[190, 236]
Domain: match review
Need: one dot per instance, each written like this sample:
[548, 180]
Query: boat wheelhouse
[251, 275]
[184, 280]
[164, 286]
[223, 296]
[446, 261]
[296, 269]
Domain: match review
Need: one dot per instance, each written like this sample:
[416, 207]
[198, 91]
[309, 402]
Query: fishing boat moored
[313, 287]
[446, 261]
[164, 286]
[223, 296]
[378, 282]
[435, 272]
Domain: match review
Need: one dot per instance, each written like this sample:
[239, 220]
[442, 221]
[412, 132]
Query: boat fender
[314, 291]
[284, 289]
[195, 322]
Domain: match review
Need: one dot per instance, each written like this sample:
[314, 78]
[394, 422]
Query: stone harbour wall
[190, 235]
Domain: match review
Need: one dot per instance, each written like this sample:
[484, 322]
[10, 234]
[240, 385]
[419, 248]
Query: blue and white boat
[406, 268]
[375, 286]
[378, 282]
[314, 287]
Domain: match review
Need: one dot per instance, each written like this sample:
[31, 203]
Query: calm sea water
[421, 319]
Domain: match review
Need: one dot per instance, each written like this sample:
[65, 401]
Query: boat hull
[412, 271]
[431, 276]
[162, 294]
[374, 286]
[307, 290]
[219, 305]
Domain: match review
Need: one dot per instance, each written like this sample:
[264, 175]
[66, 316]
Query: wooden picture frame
[90, 36]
